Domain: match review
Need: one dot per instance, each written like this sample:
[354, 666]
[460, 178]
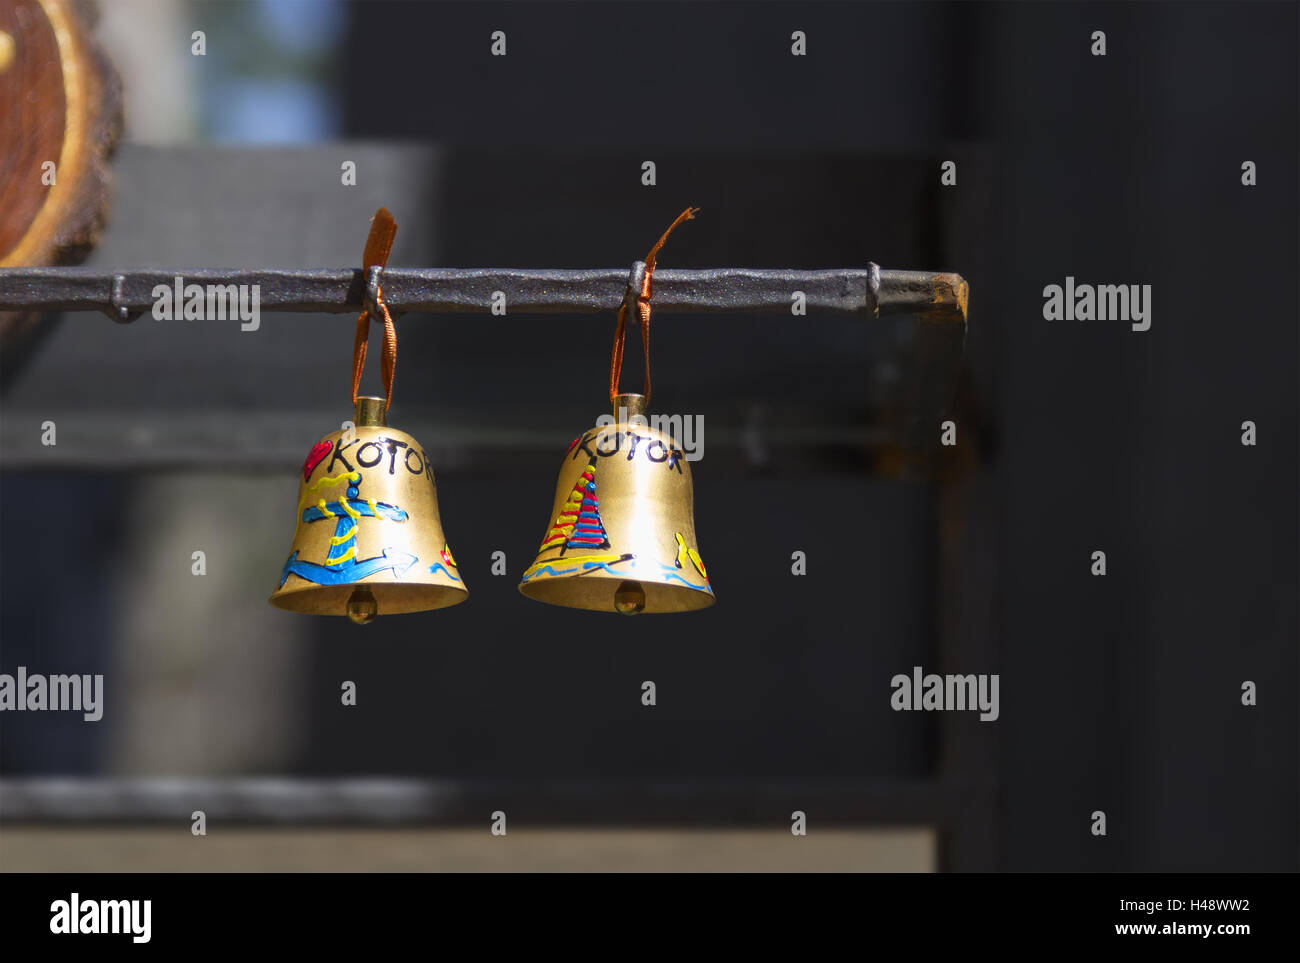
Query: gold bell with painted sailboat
[621, 533]
[368, 539]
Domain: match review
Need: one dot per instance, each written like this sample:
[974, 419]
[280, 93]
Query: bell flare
[368, 539]
[622, 531]
[605, 594]
[397, 598]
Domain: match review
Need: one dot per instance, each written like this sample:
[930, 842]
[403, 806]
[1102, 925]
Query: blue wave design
[585, 567]
[667, 571]
[433, 569]
[670, 571]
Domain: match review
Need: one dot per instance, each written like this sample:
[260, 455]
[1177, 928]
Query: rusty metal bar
[127, 295]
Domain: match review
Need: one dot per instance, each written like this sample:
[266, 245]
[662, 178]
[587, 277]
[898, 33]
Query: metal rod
[127, 295]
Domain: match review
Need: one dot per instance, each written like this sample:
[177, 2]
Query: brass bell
[622, 531]
[369, 539]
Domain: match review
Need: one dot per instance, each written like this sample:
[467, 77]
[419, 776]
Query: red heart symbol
[317, 455]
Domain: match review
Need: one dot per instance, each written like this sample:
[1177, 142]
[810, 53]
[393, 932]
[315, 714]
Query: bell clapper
[362, 607]
[629, 598]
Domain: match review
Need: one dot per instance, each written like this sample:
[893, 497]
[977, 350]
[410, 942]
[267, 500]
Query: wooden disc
[61, 100]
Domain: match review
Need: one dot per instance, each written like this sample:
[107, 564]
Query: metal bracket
[119, 311]
[372, 293]
[635, 278]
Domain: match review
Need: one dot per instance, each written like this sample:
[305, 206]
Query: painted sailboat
[577, 528]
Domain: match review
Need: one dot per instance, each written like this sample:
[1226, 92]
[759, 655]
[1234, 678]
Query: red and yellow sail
[578, 525]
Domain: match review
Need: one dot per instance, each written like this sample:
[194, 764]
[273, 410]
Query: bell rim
[704, 598]
[443, 595]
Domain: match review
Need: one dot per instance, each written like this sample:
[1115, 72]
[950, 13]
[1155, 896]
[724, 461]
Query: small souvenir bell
[621, 536]
[369, 537]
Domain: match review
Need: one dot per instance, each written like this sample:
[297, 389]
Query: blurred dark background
[1119, 693]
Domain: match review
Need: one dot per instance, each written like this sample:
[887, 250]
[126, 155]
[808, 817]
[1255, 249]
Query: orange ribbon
[378, 245]
[643, 308]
